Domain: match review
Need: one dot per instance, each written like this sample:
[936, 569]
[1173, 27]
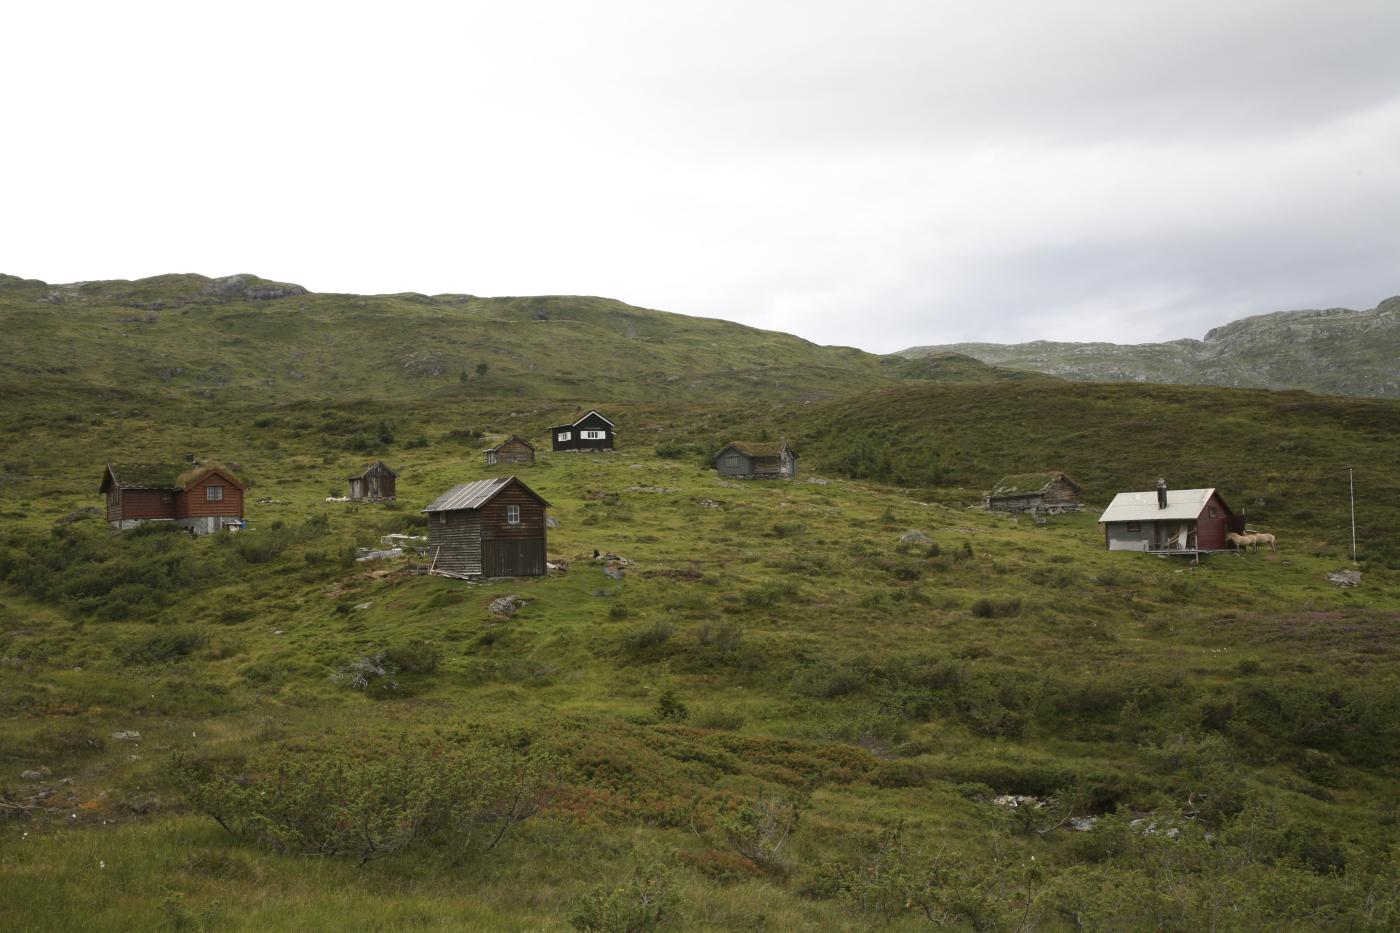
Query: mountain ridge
[1335, 351]
[243, 338]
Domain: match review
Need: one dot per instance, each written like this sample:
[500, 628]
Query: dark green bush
[645, 902]
[162, 646]
[647, 638]
[996, 608]
[414, 657]
[670, 707]
[367, 799]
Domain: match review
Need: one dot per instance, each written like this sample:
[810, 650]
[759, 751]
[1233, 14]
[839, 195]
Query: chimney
[189, 458]
[1161, 493]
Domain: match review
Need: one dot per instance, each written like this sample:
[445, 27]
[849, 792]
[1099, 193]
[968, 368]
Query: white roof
[1142, 506]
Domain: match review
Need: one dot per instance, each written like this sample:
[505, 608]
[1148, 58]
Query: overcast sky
[871, 173]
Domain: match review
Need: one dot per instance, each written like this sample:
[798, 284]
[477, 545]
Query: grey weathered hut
[514, 449]
[742, 460]
[490, 528]
[1035, 492]
[377, 483]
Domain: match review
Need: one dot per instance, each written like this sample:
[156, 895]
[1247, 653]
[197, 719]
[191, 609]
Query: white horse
[1239, 542]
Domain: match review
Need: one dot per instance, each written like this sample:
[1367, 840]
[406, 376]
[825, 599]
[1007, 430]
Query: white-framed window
[213, 493]
[564, 436]
[512, 515]
[594, 435]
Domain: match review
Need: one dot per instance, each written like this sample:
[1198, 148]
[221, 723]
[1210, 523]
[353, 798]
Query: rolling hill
[775, 709]
[243, 339]
[1333, 352]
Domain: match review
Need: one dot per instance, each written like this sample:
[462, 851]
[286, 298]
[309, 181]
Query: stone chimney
[1161, 493]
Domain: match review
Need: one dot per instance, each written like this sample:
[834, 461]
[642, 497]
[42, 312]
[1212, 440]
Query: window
[512, 515]
[593, 435]
[165, 498]
[1135, 526]
[213, 493]
[1214, 513]
[564, 436]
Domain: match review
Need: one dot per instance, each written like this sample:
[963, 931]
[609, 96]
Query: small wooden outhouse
[1035, 492]
[489, 528]
[514, 449]
[756, 461]
[376, 484]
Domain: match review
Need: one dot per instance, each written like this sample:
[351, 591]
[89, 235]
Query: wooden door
[514, 558]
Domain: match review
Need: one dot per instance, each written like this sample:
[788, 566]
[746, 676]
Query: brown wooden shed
[1036, 492]
[376, 484]
[514, 449]
[490, 528]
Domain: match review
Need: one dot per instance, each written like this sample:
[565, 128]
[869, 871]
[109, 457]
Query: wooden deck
[1186, 552]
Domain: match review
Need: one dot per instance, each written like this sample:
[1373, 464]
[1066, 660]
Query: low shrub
[671, 708]
[647, 638]
[414, 657]
[996, 608]
[367, 800]
[760, 829]
[643, 903]
[162, 646]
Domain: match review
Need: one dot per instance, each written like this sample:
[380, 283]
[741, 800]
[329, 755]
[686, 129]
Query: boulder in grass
[914, 537]
[506, 606]
[1344, 577]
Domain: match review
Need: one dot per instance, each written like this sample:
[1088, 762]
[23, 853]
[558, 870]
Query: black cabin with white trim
[591, 432]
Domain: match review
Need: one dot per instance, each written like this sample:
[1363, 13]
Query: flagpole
[1351, 484]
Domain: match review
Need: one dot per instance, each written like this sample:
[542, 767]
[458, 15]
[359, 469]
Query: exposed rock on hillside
[251, 288]
[1336, 351]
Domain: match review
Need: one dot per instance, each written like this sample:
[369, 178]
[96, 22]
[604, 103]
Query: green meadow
[780, 717]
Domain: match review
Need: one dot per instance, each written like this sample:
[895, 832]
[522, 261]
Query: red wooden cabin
[1163, 521]
[204, 498]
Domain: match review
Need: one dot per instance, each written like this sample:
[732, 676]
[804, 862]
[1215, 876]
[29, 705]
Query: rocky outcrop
[1335, 351]
[250, 288]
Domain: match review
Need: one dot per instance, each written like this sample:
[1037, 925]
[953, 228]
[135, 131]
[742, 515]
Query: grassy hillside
[1335, 352]
[780, 716]
[190, 337]
[1282, 457]
[808, 659]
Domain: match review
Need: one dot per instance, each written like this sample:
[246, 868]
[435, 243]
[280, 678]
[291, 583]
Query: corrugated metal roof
[1142, 506]
[468, 495]
[475, 495]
